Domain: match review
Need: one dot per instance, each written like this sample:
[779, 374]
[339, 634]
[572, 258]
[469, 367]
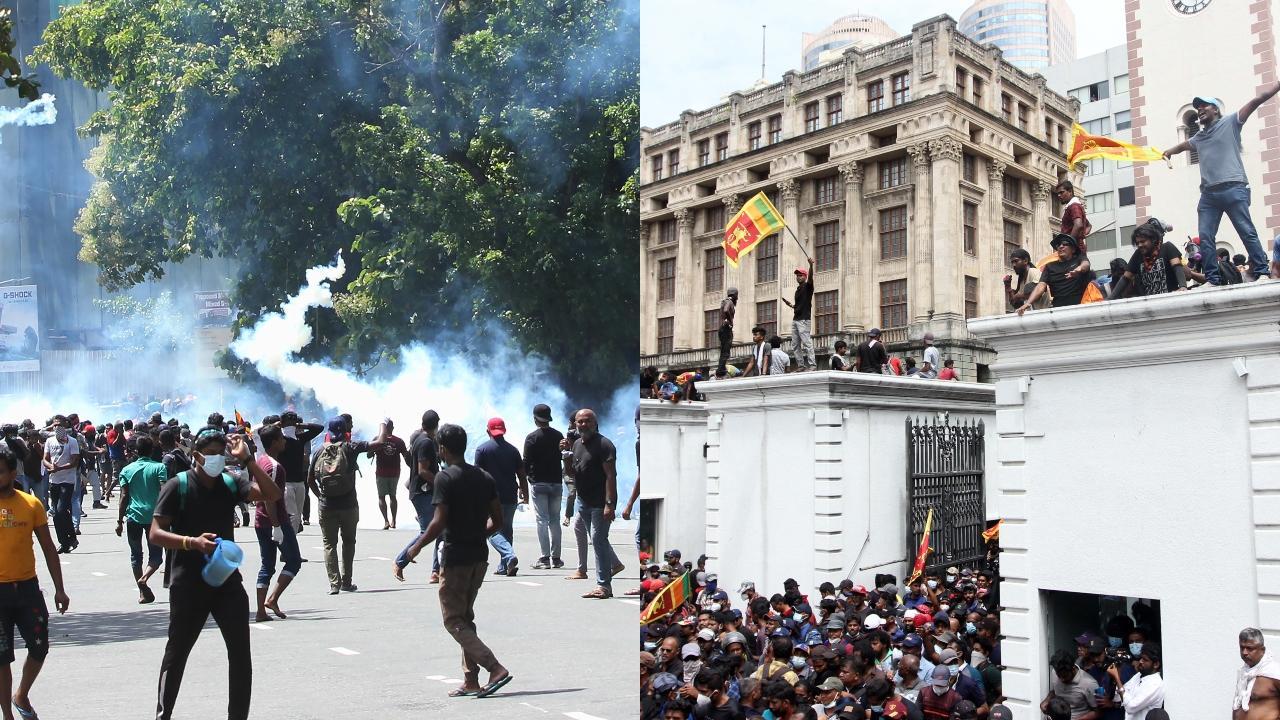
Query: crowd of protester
[179, 492]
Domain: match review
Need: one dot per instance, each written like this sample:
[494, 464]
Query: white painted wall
[1133, 458]
[805, 474]
[674, 472]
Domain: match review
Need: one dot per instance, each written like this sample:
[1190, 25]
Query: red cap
[921, 620]
[802, 271]
[497, 427]
[858, 590]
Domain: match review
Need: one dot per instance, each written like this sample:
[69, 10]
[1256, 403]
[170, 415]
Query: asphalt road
[378, 653]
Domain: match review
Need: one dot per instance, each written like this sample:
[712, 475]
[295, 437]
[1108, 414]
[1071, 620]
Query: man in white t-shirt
[62, 461]
[931, 354]
[778, 358]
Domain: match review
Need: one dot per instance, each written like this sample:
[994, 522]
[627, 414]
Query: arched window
[1191, 126]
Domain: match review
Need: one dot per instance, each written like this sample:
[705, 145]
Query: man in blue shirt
[502, 461]
[1224, 188]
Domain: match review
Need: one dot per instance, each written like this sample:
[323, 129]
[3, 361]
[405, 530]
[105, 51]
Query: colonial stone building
[909, 171]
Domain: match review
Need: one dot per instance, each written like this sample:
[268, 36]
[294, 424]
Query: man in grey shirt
[1072, 684]
[1224, 188]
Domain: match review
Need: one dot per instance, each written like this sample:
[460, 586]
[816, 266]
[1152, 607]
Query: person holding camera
[1144, 691]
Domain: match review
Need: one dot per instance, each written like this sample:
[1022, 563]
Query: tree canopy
[478, 161]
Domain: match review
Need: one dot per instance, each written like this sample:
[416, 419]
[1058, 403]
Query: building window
[875, 96]
[767, 317]
[893, 304]
[715, 218]
[1126, 196]
[1048, 131]
[722, 146]
[901, 88]
[835, 109]
[826, 312]
[893, 173]
[826, 248]
[767, 260]
[1095, 166]
[1097, 203]
[1006, 107]
[673, 163]
[656, 161]
[962, 82]
[753, 136]
[775, 129]
[811, 121]
[667, 279]
[893, 233]
[1012, 238]
[1013, 189]
[970, 298]
[1022, 117]
[977, 91]
[1121, 84]
[1062, 138]
[1101, 126]
[1123, 120]
[711, 328]
[713, 269]
[1094, 92]
[971, 228]
[666, 334]
[666, 232]
[824, 190]
[970, 167]
[704, 153]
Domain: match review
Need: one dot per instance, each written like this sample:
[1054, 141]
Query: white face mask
[290, 432]
[213, 465]
[978, 658]
[933, 584]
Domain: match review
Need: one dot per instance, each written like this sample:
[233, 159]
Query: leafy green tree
[477, 161]
[10, 70]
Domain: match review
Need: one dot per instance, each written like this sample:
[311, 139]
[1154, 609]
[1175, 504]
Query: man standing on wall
[802, 324]
[1224, 188]
[870, 355]
[727, 310]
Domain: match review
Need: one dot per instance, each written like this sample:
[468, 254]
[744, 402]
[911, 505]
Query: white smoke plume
[38, 112]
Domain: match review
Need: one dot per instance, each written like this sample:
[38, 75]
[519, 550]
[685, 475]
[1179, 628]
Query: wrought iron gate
[945, 467]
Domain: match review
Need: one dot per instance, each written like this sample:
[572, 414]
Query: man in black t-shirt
[870, 355]
[1156, 265]
[802, 324]
[466, 513]
[297, 438]
[593, 466]
[192, 512]
[1064, 278]
[542, 463]
[426, 463]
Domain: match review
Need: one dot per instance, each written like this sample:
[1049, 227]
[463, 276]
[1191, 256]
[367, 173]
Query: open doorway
[1117, 624]
[648, 531]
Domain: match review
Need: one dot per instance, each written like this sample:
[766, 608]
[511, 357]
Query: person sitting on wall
[1063, 279]
[839, 359]
[1156, 263]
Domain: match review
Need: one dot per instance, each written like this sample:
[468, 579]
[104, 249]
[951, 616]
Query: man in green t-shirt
[140, 483]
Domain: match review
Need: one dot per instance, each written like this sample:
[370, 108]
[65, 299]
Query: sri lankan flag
[1086, 147]
[992, 532]
[240, 420]
[671, 597]
[756, 220]
[918, 568]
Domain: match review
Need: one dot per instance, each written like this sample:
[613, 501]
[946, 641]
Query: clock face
[1189, 7]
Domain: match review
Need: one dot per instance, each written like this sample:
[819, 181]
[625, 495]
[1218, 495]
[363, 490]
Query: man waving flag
[757, 220]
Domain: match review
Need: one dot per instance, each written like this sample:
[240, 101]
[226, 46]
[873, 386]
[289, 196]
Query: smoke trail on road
[38, 112]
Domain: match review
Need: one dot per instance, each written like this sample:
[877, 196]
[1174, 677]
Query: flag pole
[802, 247]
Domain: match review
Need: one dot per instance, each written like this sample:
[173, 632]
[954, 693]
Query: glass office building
[1032, 35]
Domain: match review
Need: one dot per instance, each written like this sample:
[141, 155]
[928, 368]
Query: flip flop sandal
[493, 687]
[26, 713]
[459, 692]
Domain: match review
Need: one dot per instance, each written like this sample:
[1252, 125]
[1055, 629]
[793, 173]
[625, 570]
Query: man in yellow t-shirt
[21, 602]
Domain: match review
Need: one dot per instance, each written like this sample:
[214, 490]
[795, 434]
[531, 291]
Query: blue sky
[692, 54]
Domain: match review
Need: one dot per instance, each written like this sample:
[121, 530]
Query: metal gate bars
[945, 466]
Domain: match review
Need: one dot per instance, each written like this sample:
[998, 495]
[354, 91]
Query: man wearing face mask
[297, 437]
[711, 696]
[965, 679]
[937, 700]
[61, 462]
[1145, 690]
[980, 659]
[882, 701]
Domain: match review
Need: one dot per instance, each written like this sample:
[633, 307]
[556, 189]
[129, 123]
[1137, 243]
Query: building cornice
[659, 412]
[828, 388]
[1220, 322]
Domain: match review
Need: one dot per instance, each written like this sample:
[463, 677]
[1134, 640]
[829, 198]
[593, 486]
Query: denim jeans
[423, 503]
[591, 523]
[1234, 201]
[501, 540]
[60, 495]
[546, 506]
[77, 511]
[40, 488]
[802, 344]
[288, 549]
[137, 533]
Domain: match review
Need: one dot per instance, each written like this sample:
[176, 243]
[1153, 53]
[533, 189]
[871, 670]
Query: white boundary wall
[805, 474]
[1139, 455]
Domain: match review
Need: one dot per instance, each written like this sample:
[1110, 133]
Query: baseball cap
[1000, 712]
[706, 634]
[1096, 645]
[813, 637]
[1199, 100]
[497, 427]
[953, 570]
[911, 641]
[872, 621]
[947, 655]
[337, 426]
[822, 652]
[1084, 638]
[745, 586]
[542, 412]
[690, 650]
[1063, 239]
[940, 676]
[831, 683]
[858, 589]
[664, 683]
[802, 271]
[964, 710]
[733, 637]
[873, 332]
[835, 624]
[920, 620]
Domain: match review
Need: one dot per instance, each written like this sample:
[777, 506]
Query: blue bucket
[223, 561]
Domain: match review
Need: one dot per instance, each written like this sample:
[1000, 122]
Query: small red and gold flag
[669, 599]
[757, 220]
[993, 532]
[918, 568]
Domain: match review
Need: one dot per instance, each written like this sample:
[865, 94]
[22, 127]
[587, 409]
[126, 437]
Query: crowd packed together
[181, 492]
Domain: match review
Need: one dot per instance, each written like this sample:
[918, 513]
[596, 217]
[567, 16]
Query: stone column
[920, 239]
[948, 285]
[1041, 231]
[647, 301]
[790, 255]
[741, 278]
[685, 269]
[994, 220]
[857, 267]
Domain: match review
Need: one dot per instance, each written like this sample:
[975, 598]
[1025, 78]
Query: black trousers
[191, 602]
[61, 497]
[726, 342]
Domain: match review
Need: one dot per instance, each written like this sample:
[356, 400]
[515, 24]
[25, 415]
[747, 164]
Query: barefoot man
[1258, 682]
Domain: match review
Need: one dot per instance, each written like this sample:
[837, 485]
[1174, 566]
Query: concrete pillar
[1038, 244]
[741, 277]
[920, 240]
[648, 340]
[948, 283]
[857, 270]
[993, 218]
[790, 256]
[685, 269]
